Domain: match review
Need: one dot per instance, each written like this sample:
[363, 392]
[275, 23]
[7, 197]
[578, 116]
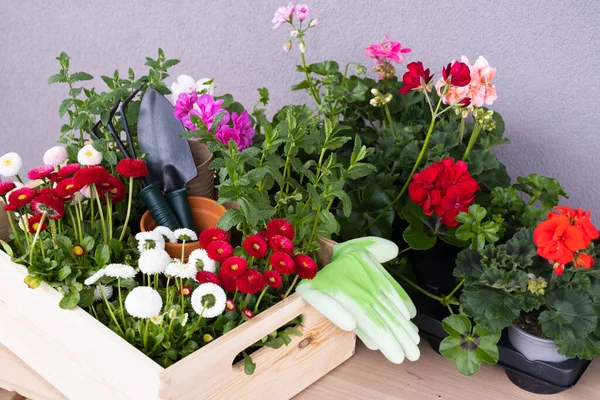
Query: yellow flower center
[250, 278]
[8, 162]
[255, 246]
[272, 280]
[220, 251]
[35, 226]
[78, 250]
[22, 197]
[234, 267]
[89, 153]
[69, 186]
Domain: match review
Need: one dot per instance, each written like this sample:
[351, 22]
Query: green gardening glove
[356, 293]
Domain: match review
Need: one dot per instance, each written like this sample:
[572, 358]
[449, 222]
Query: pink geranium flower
[481, 89]
[184, 108]
[209, 108]
[387, 51]
[301, 12]
[283, 15]
[241, 132]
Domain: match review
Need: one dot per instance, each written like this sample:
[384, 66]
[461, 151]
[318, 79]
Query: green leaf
[88, 243]
[102, 255]
[492, 309]
[360, 170]
[256, 212]
[70, 300]
[416, 237]
[81, 76]
[230, 219]
[274, 343]
[467, 347]
[249, 365]
[569, 314]
[64, 272]
[86, 298]
[64, 243]
[325, 68]
[61, 77]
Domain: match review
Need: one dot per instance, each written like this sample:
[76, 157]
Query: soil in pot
[529, 323]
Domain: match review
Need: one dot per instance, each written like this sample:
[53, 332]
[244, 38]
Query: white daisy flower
[157, 319]
[167, 234]
[94, 278]
[88, 155]
[108, 292]
[154, 261]
[119, 271]
[150, 240]
[86, 192]
[10, 164]
[185, 319]
[143, 302]
[201, 261]
[185, 234]
[55, 155]
[180, 270]
[208, 300]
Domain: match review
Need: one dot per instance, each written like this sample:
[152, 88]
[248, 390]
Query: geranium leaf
[520, 248]
[492, 309]
[569, 314]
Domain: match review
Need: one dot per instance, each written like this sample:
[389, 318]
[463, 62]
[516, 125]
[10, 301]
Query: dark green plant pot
[180, 205]
[159, 207]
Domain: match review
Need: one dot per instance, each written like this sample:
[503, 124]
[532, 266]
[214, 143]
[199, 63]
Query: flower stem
[390, 121]
[53, 232]
[15, 232]
[109, 211]
[260, 298]
[121, 301]
[37, 233]
[182, 255]
[111, 312]
[461, 131]
[313, 89]
[95, 194]
[420, 289]
[462, 281]
[472, 140]
[291, 287]
[128, 210]
[181, 295]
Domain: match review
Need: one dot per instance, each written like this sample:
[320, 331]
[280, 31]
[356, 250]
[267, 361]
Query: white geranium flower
[208, 300]
[201, 261]
[154, 261]
[166, 233]
[10, 164]
[108, 292]
[94, 278]
[119, 271]
[150, 240]
[185, 234]
[143, 302]
[180, 270]
[88, 155]
[187, 84]
[55, 155]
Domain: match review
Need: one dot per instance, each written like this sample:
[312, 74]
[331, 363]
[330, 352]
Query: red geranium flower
[68, 170]
[558, 268]
[579, 219]
[557, 239]
[422, 189]
[280, 226]
[21, 197]
[132, 168]
[273, 278]
[234, 266]
[207, 277]
[457, 73]
[250, 282]
[51, 205]
[230, 305]
[211, 235]
[282, 262]
[248, 313]
[185, 291]
[219, 250]
[281, 243]
[415, 78]
[67, 187]
[33, 222]
[583, 260]
[456, 199]
[6, 187]
[227, 282]
[91, 174]
[305, 266]
[40, 172]
[256, 246]
[78, 250]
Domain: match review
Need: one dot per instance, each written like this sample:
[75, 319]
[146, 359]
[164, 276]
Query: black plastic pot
[158, 206]
[533, 376]
[433, 268]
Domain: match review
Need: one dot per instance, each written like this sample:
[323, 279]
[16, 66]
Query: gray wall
[546, 52]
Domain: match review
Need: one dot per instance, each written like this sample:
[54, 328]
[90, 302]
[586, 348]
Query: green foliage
[474, 229]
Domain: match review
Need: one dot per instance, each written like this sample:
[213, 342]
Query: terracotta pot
[204, 183]
[206, 214]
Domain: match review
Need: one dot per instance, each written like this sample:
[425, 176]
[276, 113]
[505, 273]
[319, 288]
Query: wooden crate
[73, 355]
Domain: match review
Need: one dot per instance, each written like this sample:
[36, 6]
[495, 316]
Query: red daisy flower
[78, 250]
[230, 305]
[273, 278]
[6, 187]
[33, 222]
[281, 227]
[250, 282]
[234, 266]
[264, 235]
[256, 246]
[227, 282]
[53, 177]
[68, 170]
[212, 235]
[305, 266]
[51, 205]
[91, 174]
[113, 187]
[67, 187]
[219, 250]
[21, 197]
[281, 243]
[248, 313]
[207, 277]
[40, 172]
[132, 168]
[282, 263]
[185, 291]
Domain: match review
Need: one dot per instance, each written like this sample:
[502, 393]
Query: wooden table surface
[369, 376]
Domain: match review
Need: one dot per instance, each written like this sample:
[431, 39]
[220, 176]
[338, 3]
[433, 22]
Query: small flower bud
[294, 33]
[157, 319]
[173, 313]
[185, 319]
[207, 338]
[313, 23]
[287, 46]
[361, 70]
[375, 92]
[302, 47]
